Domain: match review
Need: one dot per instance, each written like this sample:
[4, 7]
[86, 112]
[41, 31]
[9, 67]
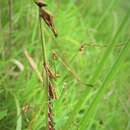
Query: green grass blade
[88, 114]
[106, 13]
[109, 50]
[83, 97]
[3, 114]
[19, 114]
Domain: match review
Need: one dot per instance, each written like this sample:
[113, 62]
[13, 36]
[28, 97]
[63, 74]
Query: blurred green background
[93, 65]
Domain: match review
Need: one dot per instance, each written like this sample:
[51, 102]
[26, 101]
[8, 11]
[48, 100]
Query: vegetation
[87, 64]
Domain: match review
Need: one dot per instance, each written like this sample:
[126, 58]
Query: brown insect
[46, 16]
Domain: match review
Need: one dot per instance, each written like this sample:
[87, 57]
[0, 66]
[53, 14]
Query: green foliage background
[103, 27]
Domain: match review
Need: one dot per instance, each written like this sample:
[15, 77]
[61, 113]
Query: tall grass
[90, 58]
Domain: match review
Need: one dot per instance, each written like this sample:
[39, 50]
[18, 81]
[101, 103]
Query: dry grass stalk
[33, 65]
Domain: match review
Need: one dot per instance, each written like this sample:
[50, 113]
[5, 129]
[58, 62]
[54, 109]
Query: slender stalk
[44, 62]
[48, 88]
[10, 3]
[106, 13]
[0, 16]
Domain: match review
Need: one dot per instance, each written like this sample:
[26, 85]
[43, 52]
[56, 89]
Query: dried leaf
[41, 3]
[18, 64]
[49, 72]
[33, 64]
[49, 20]
[52, 91]
[46, 16]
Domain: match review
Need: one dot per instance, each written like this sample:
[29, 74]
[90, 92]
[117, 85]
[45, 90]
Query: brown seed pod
[46, 16]
[49, 20]
[82, 47]
[54, 56]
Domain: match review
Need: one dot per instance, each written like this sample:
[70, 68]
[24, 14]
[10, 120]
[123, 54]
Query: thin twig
[49, 113]
[70, 70]
[102, 45]
[33, 65]
[48, 19]
[44, 62]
